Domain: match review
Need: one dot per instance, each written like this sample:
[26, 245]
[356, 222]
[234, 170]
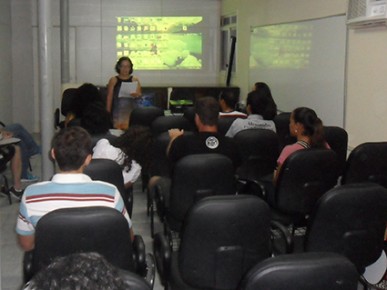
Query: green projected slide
[281, 46]
[160, 43]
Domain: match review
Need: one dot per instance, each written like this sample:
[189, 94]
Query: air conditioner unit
[366, 13]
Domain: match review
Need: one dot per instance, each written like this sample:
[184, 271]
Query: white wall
[22, 65]
[366, 85]
[366, 117]
[5, 59]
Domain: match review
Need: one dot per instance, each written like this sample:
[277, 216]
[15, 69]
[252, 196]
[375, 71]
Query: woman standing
[122, 92]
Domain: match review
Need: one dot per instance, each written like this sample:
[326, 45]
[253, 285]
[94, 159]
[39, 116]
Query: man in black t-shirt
[207, 140]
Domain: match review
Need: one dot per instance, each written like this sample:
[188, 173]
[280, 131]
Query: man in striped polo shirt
[71, 149]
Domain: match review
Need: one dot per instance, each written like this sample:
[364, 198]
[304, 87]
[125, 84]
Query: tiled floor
[11, 255]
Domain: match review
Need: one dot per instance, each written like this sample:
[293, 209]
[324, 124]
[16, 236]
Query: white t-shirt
[103, 149]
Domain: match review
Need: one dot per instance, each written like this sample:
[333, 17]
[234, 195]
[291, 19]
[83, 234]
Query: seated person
[82, 271]
[228, 102]
[97, 121]
[207, 140]
[71, 149]
[264, 89]
[130, 150]
[309, 131]
[259, 109]
[86, 94]
[28, 147]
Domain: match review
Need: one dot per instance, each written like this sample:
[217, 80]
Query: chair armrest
[163, 255]
[280, 230]
[161, 196]
[129, 198]
[139, 255]
[254, 187]
[27, 266]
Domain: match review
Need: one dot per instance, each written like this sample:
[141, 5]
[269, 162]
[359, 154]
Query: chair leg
[152, 220]
[5, 188]
[148, 202]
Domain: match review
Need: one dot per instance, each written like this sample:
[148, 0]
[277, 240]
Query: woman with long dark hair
[309, 131]
[130, 150]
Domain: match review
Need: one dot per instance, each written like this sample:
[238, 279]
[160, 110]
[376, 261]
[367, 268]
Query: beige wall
[366, 99]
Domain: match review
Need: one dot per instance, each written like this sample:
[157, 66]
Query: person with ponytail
[309, 131]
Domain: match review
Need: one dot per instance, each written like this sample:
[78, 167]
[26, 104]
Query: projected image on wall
[160, 43]
[285, 46]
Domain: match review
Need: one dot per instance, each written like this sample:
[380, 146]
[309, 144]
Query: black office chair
[144, 116]
[221, 239]
[6, 154]
[189, 114]
[350, 220]
[259, 150]
[224, 124]
[337, 138]
[303, 178]
[194, 177]
[88, 229]
[367, 163]
[282, 121]
[159, 164]
[164, 123]
[305, 271]
[109, 171]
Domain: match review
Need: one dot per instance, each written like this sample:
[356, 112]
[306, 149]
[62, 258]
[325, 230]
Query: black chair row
[223, 237]
[89, 229]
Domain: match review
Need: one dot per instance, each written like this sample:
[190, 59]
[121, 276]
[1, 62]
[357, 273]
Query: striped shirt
[65, 190]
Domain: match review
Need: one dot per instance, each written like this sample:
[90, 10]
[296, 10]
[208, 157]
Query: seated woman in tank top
[309, 131]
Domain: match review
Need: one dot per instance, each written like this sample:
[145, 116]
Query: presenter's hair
[119, 62]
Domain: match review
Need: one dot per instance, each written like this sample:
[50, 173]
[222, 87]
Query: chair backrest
[337, 138]
[144, 116]
[160, 163]
[224, 124]
[350, 220]
[133, 281]
[109, 171]
[305, 271]
[282, 121]
[259, 150]
[197, 176]
[87, 229]
[222, 238]
[189, 114]
[303, 178]
[164, 123]
[367, 163]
